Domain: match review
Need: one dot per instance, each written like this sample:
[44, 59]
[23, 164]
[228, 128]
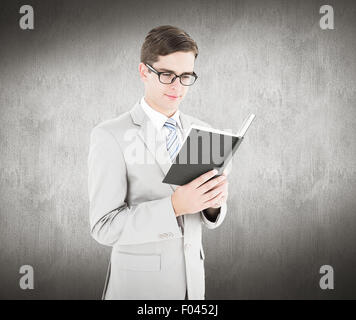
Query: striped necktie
[172, 140]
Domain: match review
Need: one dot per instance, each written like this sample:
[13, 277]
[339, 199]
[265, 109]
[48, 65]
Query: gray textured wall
[293, 186]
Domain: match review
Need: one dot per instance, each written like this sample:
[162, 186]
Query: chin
[173, 104]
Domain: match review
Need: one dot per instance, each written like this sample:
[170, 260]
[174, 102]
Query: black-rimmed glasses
[165, 77]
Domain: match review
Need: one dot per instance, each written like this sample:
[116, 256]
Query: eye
[167, 74]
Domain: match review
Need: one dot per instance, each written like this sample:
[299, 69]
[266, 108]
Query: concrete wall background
[292, 201]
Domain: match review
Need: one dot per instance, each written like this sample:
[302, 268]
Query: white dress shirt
[159, 120]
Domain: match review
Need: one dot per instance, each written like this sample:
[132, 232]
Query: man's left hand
[222, 197]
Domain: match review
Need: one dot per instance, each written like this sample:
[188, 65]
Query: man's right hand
[195, 195]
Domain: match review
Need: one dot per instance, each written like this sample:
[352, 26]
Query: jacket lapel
[186, 123]
[154, 142]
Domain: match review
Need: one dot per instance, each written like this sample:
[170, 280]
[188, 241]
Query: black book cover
[204, 149]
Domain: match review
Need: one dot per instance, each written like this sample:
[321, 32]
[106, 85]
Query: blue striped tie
[172, 140]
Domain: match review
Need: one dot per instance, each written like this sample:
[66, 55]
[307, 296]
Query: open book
[202, 150]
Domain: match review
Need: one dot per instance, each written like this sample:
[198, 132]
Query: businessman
[154, 229]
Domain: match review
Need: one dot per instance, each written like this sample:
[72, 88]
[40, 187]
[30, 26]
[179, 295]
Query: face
[166, 98]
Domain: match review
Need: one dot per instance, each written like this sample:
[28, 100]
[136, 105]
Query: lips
[171, 96]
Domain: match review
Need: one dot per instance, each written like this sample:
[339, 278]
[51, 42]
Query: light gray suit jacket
[130, 208]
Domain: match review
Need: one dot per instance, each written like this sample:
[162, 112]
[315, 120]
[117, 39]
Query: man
[155, 233]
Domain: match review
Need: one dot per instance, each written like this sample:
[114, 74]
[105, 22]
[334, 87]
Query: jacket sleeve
[223, 209]
[222, 214]
[219, 219]
[112, 220]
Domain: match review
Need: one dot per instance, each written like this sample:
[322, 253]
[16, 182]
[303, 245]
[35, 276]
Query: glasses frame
[158, 73]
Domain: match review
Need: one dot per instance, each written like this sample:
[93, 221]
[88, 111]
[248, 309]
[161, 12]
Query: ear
[143, 70]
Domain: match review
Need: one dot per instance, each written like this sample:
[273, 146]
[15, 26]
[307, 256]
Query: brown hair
[165, 40]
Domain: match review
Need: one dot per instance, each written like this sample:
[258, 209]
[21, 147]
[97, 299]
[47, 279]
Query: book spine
[229, 156]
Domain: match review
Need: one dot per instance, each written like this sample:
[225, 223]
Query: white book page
[194, 126]
[246, 124]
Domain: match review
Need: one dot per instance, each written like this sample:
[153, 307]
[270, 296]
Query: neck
[167, 113]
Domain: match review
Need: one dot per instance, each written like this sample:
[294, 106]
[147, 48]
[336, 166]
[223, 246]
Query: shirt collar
[158, 119]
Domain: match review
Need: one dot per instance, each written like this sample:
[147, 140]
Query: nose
[176, 83]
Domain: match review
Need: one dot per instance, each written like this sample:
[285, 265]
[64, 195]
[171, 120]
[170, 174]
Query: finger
[207, 186]
[222, 197]
[223, 182]
[211, 194]
[222, 201]
[211, 203]
[203, 178]
[219, 203]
